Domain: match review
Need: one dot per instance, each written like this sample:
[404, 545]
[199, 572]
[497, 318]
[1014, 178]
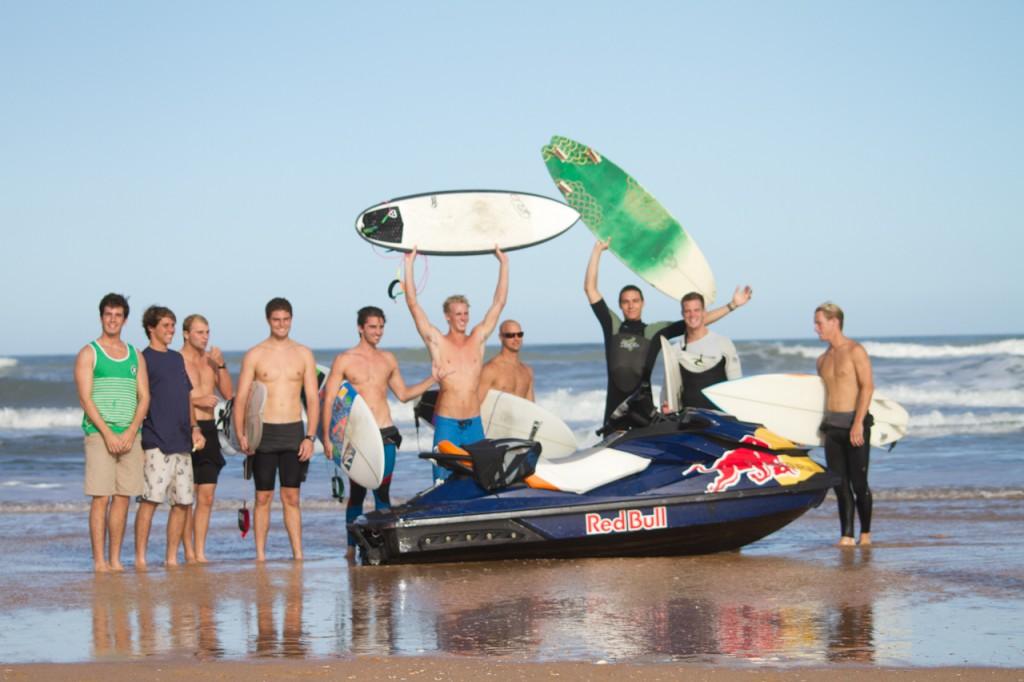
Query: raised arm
[865, 389]
[590, 279]
[740, 297]
[397, 384]
[487, 376]
[490, 321]
[245, 379]
[426, 330]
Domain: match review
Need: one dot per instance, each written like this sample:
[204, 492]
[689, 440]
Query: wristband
[731, 306]
[219, 367]
[311, 439]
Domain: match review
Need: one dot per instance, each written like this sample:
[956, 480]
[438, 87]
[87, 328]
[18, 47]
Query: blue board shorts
[458, 432]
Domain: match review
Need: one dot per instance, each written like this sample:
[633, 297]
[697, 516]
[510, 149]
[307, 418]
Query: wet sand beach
[935, 595]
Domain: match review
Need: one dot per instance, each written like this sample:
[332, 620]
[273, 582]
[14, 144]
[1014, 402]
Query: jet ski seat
[493, 464]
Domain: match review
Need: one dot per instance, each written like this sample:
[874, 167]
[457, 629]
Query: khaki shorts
[107, 474]
[168, 478]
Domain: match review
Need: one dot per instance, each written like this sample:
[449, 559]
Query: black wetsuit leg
[851, 463]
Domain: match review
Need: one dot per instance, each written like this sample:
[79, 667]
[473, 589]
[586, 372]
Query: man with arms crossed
[846, 370]
[208, 374]
[169, 435]
[705, 358]
[110, 376]
[287, 369]
[506, 371]
[458, 358]
[631, 346]
[371, 372]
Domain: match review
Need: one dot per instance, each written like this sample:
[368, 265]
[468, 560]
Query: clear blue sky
[209, 156]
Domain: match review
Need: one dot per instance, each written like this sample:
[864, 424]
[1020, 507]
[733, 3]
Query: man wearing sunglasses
[458, 357]
[631, 346]
[506, 371]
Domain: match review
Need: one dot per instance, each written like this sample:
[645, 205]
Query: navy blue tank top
[168, 425]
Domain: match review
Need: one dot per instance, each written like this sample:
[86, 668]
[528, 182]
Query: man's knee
[263, 497]
[290, 497]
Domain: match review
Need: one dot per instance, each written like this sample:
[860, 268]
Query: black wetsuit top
[630, 348]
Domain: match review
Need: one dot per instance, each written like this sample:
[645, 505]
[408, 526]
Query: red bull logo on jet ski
[627, 521]
[760, 467]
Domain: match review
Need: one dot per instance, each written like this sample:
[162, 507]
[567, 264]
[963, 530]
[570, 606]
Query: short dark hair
[278, 303]
[151, 318]
[693, 296]
[631, 287]
[367, 312]
[113, 300]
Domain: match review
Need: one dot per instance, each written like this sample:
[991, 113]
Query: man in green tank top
[114, 392]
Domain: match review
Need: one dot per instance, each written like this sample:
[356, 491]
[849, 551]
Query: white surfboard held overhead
[465, 222]
[793, 406]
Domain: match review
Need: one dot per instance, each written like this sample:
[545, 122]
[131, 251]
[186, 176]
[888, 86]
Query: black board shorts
[278, 456]
[207, 463]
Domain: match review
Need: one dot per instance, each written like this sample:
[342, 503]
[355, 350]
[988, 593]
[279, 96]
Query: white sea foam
[918, 351]
[953, 397]
[936, 423]
[7, 362]
[40, 418]
[24, 484]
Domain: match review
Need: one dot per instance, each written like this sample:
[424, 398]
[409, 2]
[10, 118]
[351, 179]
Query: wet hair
[186, 326]
[276, 304]
[113, 300]
[151, 318]
[831, 312]
[367, 312]
[693, 296]
[631, 287]
[455, 298]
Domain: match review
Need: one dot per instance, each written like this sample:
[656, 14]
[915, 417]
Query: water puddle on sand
[741, 609]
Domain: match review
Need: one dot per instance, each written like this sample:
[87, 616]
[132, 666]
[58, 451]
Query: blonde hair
[455, 298]
[831, 312]
[187, 324]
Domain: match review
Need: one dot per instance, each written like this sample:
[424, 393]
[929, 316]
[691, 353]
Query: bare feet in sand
[846, 541]
[865, 539]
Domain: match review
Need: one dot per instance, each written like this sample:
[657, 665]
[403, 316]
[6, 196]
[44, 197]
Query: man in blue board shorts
[169, 435]
[110, 376]
[846, 370]
[288, 370]
[371, 372]
[458, 357]
[631, 346]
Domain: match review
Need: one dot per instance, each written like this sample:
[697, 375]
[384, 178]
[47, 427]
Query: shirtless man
[371, 372]
[287, 369]
[113, 388]
[209, 376]
[506, 371]
[846, 370]
[631, 346]
[458, 357]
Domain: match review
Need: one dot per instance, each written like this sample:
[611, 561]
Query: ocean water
[965, 396]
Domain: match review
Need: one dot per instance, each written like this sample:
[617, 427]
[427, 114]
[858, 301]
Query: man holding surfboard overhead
[286, 369]
[458, 357]
[845, 369]
[371, 372]
[506, 371]
[631, 346]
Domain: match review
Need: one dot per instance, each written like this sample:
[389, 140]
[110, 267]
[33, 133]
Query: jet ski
[692, 483]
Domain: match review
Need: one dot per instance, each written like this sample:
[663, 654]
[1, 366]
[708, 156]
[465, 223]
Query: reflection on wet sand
[686, 609]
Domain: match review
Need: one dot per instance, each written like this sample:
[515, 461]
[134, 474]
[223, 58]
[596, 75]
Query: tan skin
[160, 338]
[286, 368]
[632, 303]
[371, 372]
[209, 376]
[457, 355]
[846, 370]
[108, 515]
[506, 371]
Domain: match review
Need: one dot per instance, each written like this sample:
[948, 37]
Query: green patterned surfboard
[645, 237]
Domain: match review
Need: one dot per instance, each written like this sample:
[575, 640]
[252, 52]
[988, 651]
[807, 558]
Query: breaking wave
[40, 418]
[918, 351]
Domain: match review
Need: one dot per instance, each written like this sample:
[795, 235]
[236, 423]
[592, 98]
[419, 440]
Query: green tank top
[114, 389]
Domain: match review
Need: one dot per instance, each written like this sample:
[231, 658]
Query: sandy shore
[420, 669]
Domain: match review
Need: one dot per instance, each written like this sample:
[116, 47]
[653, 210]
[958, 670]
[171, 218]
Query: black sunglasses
[513, 335]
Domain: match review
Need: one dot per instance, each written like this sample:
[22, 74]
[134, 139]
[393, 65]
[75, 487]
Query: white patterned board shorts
[167, 478]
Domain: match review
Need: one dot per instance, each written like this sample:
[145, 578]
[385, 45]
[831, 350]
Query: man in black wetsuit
[631, 346]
